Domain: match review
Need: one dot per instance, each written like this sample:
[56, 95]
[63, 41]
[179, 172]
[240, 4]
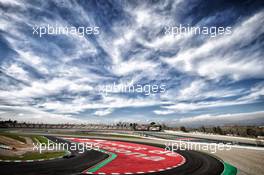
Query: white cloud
[33, 60]
[255, 93]
[103, 112]
[108, 102]
[17, 72]
[12, 2]
[131, 66]
[32, 115]
[163, 112]
[214, 59]
[208, 119]
[192, 90]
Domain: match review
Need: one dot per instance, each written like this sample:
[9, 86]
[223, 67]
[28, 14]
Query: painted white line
[151, 171]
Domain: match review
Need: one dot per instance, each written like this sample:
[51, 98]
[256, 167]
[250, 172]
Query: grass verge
[13, 136]
[39, 139]
[97, 134]
[34, 156]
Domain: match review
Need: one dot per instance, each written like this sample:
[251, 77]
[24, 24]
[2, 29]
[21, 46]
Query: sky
[59, 78]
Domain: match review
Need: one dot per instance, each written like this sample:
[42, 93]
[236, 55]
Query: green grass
[35, 138]
[121, 136]
[39, 139]
[13, 136]
[34, 156]
[42, 139]
[97, 134]
[31, 155]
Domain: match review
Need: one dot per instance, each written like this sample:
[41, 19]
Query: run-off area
[132, 158]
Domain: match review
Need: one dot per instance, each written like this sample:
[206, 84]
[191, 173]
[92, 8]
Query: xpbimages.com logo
[186, 145]
[64, 30]
[212, 31]
[131, 87]
[71, 146]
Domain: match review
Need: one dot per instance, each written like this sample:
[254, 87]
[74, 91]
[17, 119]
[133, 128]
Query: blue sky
[209, 80]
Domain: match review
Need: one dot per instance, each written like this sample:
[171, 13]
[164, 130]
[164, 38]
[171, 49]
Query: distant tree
[251, 132]
[152, 123]
[219, 130]
[214, 130]
[183, 129]
[134, 126]
[202, 129]
[259, 132]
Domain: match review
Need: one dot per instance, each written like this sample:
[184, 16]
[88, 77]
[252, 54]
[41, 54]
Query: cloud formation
[56, 78]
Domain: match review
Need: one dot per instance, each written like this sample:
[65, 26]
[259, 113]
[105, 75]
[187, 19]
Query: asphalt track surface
[196, 164]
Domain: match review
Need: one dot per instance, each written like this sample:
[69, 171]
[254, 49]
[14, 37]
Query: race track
[187, 162]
